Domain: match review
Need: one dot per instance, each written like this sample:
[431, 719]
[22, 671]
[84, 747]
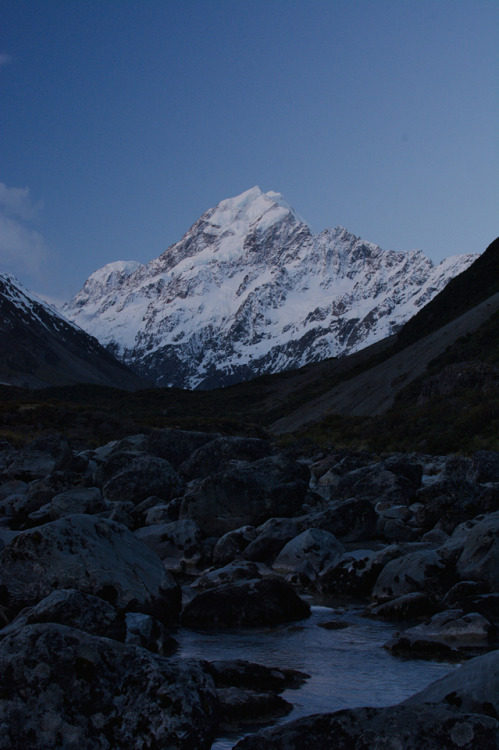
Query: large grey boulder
[473, 688]
[245, 493]
[238, 570]
[355, 573]
[212, 457]
[479, 560]
[71, 690]
[271, 537]
[373, 482]
[78, 500]
[449, 635]
[141, 477]
[393, 728]
[180, 539]
[75, 609]
[350, 521]
[41, 457]
[230, 545]
[308, 553]
[484, 467]
[247, 603]
[420, 571]
[455, 626]
[176, 445]
[413, 606]
[451, 502]
[239, 707]
[93, 555]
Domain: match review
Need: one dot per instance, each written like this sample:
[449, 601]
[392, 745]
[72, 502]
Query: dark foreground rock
[250, 603]
[75, 609]
[250, 707]
[62, 688]
[90, 554]
[473, 688]
[245, 494]
[400, 727]
[447, 635]
[244, 674]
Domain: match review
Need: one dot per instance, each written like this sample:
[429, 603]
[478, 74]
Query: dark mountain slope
[39, 347]
[476, 284]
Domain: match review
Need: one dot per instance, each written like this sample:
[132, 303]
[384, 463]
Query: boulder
[238, 707]
[11, 487]
[406, 607]
[309, 552]
[484, 467]
[213, 456]
[350, 521]
[398, 727]
[162, 512]
[245, 674]
[452, 548]
[462, 592]
[355, 573]
[375, 482]
[81, 692]
[141, 477]
[41, 457]
[454, 626]
[176, 445]
[249, 603]
[147, 632]
[450, 502]
[447, 635]
[239, 570]
[473, 688]
[78, 500]
[179, 539]
[75, 609]
[420, 571]
[479, 560]
[407, 467]
[485, 604]
[271, 537]
[93, 555]
[38, 493]
[245, 493]
[231, 544]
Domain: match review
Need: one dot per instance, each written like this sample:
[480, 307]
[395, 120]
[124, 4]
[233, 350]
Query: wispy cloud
[17, 202]
[5, 59]
[23, 250]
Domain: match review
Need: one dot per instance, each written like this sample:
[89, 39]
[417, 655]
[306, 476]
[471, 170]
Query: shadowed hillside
[439, 390]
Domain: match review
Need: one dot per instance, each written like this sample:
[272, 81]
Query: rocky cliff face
[250, 289]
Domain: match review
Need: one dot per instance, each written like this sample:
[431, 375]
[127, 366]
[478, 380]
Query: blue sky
[122, 121]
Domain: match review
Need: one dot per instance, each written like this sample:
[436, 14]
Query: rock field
[104, 553]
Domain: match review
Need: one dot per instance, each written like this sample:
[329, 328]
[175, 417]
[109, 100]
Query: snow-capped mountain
[250, 289]
[39, 347]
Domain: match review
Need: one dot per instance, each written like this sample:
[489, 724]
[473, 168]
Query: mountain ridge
[249, 290]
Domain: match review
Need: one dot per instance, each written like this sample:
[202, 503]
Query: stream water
[349, 667]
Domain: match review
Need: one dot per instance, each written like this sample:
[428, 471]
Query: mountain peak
[252, 209]
[250, 289]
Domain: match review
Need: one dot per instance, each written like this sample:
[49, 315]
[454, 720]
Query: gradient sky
[122, 121]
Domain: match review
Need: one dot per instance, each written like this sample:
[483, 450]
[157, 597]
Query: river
[348, 666]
